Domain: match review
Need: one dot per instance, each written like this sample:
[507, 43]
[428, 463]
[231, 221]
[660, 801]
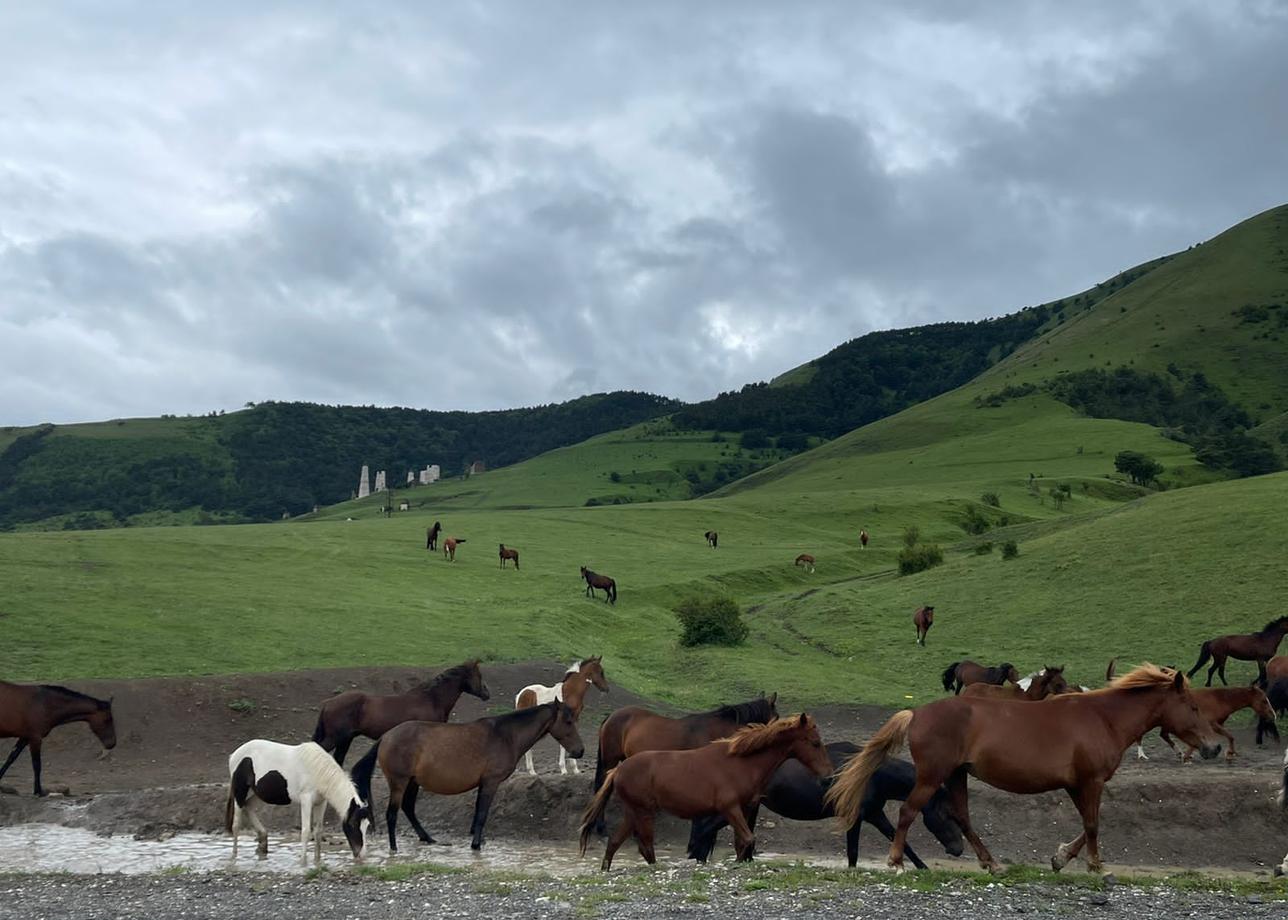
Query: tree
[1142, 469]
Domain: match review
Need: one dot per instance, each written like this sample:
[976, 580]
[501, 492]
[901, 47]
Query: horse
[923, 619]
[29, 712]
[571, 691]
[449, 547]
[1259, 647]
[632, 729]
[863, 539]
[268, 773]
[510, 553]
[1216, 704]
[806, 560]
[1048, 682]
[725, 777]
[1073, 741]
[602, 582]
[795, 793]
[451, 758]
[713, 538]
[431, 537]
[353, 712]
[963, 673]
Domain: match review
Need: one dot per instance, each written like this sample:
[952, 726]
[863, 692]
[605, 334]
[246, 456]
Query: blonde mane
[757, 736]
[1146, 675]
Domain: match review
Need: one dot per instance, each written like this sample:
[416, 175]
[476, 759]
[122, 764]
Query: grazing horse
[963, 673]
[1073, 741]
[725, 777]
[1259, 647]
[632, 729]
[451, 758]
[267, 773]
[1216, 704]
[353, 712]
[509, 553]
[449, 547]
[1049, 682]
[602, 582]
[431, 537]
[806, 560]
[923, 619]
[863, 539]
[30, 712]
[795, 793]
[571, 691]
[713, 538]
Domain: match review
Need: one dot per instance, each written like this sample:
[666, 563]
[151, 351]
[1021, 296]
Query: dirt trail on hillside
[168, 772]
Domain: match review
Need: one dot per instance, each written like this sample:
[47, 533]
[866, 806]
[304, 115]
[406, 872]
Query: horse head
[1182, 719]
[564, 730]
[102, 723]
[474, 683]
[807, 746]
[1009, 672]
[593, 670]
[1052, 681]
[357, 824]
[939, 820]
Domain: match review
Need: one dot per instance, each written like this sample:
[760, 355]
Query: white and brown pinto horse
[267, 773]
[572, 692]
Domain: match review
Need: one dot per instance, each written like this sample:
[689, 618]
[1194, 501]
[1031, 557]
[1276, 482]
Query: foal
[509, 553]
[923, 619]
[572, 692]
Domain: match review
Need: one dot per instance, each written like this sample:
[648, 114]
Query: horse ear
[803, 720]
[1178, 682]
[773, 698]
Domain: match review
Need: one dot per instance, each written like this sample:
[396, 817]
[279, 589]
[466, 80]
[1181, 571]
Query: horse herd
[1023, 735]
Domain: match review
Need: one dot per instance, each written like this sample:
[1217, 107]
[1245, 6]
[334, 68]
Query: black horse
[1277, 693]
[431, 537]
[794, 792]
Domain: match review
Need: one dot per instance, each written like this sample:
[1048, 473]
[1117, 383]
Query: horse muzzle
[1208, 751]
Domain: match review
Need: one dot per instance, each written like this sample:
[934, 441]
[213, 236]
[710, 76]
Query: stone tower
[380, 481]
[364, 484]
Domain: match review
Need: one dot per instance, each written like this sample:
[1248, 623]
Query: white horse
[571, 690]
[267, 773]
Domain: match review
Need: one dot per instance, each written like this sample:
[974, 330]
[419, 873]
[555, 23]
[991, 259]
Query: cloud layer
[478, 206]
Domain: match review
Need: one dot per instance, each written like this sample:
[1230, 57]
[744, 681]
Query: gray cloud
[484, 206]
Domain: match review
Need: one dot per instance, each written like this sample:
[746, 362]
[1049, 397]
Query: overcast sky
[481, 205]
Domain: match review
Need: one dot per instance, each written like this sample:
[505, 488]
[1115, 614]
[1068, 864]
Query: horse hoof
[1279, 871]
[994, 868]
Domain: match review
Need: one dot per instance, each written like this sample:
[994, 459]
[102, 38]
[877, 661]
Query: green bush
[711, 621]
[991, 499]
[983, 549]
[1010, 549]
[920, 557]
[911, 536]
[975, 522]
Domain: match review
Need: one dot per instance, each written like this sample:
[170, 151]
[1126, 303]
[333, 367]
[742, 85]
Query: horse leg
[396, 788]
[643, 824]
[1212, 670]
[876, 817]
[1220, 730]
[619, 837]
[959, 804]
[13, 755]
[261, 832]
[852, 840]
[1221, 671]
[752, 812]
[237, 817]
[527, 759]
[319, 814]
[563, 761]
[487, 791]
[342, 749]
[916, 801]
[34, 748]
[409, 809]
[1087, 800]
[306, 827]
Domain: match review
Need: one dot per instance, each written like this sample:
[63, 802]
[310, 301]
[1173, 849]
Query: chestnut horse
[632, 729]
[806, 560]
[353, 713]
[571, 691]
[449, 547]
[1259, 647]
[1074, 741]
[451, 758]
[713, 538]
[923, 619]
[1216, 704]
[431, 537]
[30, 712]
[602, 582]
[725, 777]
[509, 553]
[963, 673]
[1049, 682]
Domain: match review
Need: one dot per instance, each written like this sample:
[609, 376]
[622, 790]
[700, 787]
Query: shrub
[711, 621]
[1010, 549]
[983, 549]
[1057, 498]
[1142, 469]
[991, 499]
[615, 476]
[911, 536]
[975, 522]
[920, 557]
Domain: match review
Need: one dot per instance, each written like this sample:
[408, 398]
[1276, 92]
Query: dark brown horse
[713, 539]
[923, 619]
[1073, 741]
[30, 712]
[431, 537]
[448, 759]
[1049, 682]
[725, 777]
[509, 552]
[1217, 704]
[449, 547]
[863, 539]
[354, 713]
[963, 673]
[602, 582]
[806, 560]
[632, 729]
[1259, 647]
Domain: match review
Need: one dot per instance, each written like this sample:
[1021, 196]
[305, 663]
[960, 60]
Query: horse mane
[74, 694]
[753, 738]
[457, 673]
[1273, 624]
[1144, 676]
[332, 781]
[752, 711]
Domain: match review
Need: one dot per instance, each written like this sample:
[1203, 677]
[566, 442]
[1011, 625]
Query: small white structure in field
[380, 481]
[429, 474]
[411, 477]
[364, 484]
[404, 505]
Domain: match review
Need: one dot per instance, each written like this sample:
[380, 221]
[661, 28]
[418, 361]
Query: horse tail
[362, 771]
[950, 673]
[612, 590]
[460, 541]
[594, 812]
[846, 794]
[228, 810]
[1204, 654]
[600, 769]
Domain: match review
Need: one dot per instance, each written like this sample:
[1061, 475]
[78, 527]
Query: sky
[483, 205]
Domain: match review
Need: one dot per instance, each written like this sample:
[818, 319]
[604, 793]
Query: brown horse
[632, 729]
[449, 547]
[725, 777]
[354, 713]
[602, 582]
[448, 759]
[713, 538]
[30, 712]
[963, 673]
[863, 539]
[1049, 682]
[431, 537]
[1216, 704]
[1073, 741]
[923, 619]
[806, 560]
[509, 552]
[571, 691]
[1276, 669]
[1259, 647]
